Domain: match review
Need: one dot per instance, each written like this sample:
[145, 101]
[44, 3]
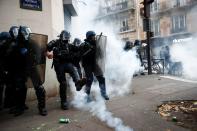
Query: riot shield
[101, 42]
[37, 58]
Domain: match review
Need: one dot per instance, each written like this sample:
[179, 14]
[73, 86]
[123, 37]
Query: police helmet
[128, 45]
[77, 42]
[65, 35]
[90, 33]
[24, 31]
[4, 35]
[137, 43]
[14, 31]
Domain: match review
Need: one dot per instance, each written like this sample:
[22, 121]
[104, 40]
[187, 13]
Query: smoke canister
[174, 119]
[64, 120]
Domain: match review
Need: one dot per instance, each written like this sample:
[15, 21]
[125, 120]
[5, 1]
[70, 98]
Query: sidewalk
[137, 110]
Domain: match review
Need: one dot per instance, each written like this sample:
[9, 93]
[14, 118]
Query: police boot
[102, 86]
[80, 83]
[18, 111]
[105, 96]
[63, 96]
[40, 93]
[20, 99]
[103, 92]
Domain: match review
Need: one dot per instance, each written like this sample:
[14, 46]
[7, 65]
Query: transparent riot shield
[101, 42]
[37, 58]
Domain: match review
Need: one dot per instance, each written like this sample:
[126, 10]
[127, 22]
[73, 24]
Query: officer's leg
[60, 73]
[21, 92]
[90, 77]
[72, 70]
[1, 89]
[40, 91]
[79, 70]
[102, 86]
[9, 91]
[1, 95]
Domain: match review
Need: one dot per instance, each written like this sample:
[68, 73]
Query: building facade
[47, 17]
[173, 21]
[124, 14]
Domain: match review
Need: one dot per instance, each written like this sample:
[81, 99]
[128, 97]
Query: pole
[147, 15]
[148, 53]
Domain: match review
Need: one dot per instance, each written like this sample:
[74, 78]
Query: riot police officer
[4, 43]
[33, 73]
[10, 89]
[137, 45]
[63, 56]
[77, 43]
[20, 57]
[128, 46]
[16, 68]
[89, 65]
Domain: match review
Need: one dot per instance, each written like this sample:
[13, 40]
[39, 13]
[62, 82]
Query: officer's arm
[50, 47]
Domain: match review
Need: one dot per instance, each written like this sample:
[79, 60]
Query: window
[155, 27]
[178, 3]
[124, 26]
[155, 6]
[178, 23]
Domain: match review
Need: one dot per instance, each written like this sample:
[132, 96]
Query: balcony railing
[125, 28]
[172, 4]
[178, 30]
[117, 8]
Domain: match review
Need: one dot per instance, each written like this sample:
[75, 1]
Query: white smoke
[185, 50]
[120, 65]
[98, 109]
[186, 53]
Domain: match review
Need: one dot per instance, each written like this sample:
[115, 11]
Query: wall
[49, 21]
[12, 14]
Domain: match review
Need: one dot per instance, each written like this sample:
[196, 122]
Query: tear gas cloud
[119, 67]
[186, 53]
[185, 50]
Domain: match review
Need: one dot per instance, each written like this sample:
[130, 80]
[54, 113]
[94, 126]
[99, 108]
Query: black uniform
[89, 65]
[4, 44]
[20, 70]
[64, 56]
[17, 72]
[77, 60]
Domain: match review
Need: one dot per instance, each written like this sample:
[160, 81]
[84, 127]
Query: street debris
[39, 127]
[64, 120]
[183, 113]
[174, 119]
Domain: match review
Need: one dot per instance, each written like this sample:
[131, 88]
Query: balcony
[166, 7]
[178, 30]
[125, 28]
[117, 8]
